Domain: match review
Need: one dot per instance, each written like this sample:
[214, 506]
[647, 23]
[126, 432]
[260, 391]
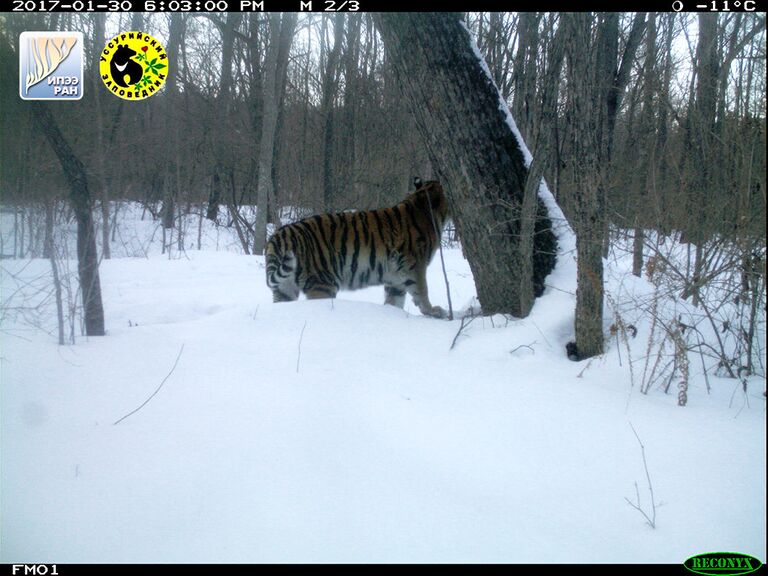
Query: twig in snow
[465, 321]
[529, 346]
[155, 392]
[298, 358]
[589, 363]
[650, 519]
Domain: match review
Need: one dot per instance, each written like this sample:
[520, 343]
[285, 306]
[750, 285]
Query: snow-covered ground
[350, 431]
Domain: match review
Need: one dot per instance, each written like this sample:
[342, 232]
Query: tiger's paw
[435, 312]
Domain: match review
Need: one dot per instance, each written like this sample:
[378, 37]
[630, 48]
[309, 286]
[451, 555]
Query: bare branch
[155, 392]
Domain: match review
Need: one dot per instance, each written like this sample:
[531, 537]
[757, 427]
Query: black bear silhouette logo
[121, 66]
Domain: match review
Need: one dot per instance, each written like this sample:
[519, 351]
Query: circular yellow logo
[133, 65]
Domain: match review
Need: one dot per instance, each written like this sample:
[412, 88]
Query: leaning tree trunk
[463, 122]
[80, 199]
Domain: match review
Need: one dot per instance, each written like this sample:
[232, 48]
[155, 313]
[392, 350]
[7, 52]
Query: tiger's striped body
[323, 254]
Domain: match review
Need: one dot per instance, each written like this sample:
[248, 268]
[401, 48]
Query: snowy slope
[349, 431]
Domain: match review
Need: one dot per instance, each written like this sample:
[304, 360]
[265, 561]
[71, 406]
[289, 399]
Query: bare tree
[279, 31]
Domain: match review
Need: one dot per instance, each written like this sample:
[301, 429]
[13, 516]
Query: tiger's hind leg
[281, 277]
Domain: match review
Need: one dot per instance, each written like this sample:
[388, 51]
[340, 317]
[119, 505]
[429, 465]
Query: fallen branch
[153, 393]
[529, 346]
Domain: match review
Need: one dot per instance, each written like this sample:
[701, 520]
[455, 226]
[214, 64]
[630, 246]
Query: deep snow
[349, 431]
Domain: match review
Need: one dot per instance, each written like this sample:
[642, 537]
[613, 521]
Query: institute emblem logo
[133, 65]
[51, 65]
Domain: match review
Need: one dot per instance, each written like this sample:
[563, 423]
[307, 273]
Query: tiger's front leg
[417, 288]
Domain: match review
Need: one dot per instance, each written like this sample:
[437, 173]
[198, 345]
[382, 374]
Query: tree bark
[462, 120]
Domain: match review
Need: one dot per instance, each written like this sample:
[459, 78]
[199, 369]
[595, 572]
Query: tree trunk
[171, 180]
[330, 82]
[286, 39]
[463, 122]
[222, 166]
[702, 137]
[80, 199]
[587, 109]
[523, 107]
[596, 84]
[49, 251]
[541, 130]
[587, 83]
[351, 104]
[99, 20]
[269, 122]
[662, 153]
[648, 147]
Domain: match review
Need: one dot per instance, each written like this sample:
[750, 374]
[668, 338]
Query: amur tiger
[323, 254]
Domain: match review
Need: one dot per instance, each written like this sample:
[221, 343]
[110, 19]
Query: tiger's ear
[417, 183]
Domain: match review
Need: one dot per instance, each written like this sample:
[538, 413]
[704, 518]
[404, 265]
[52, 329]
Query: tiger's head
[430, 197]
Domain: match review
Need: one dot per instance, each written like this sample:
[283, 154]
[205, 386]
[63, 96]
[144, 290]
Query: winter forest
[603, 267]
